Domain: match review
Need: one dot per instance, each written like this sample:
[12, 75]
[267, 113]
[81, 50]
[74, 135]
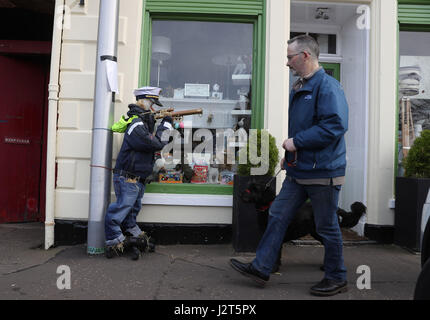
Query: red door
[23, 100]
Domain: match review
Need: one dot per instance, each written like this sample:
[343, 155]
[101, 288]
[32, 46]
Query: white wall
[354, 79]
[277, 74]
[75, 112]
[382, 114]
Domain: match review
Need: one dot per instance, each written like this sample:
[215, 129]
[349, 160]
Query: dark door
[23, 100]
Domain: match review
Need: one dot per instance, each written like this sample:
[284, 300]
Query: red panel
[25, 47]
[22, 106]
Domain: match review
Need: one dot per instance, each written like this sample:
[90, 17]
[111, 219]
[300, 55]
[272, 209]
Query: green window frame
[335, 67]
[239, 11]
[414, 15]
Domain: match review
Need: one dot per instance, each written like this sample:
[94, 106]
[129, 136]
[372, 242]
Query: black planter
[246, 232]
[411, 194]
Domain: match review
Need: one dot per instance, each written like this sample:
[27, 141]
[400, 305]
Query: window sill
[188, 194]
[170, 199]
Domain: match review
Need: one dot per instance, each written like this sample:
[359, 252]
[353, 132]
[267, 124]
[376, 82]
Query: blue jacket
[136, 155]
[318, 120]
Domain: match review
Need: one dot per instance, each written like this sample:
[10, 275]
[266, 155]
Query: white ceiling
[305, 11]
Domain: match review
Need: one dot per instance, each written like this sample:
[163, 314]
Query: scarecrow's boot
[144, 243]
[117, 249]
[131, 245]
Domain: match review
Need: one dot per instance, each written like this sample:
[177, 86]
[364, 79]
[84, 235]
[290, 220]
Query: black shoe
[328, 287]
[276, 268]
[248, 270]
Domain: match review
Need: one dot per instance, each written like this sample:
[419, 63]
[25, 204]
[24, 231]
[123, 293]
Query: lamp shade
[161, 48]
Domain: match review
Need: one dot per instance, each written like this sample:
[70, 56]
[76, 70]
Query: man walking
[315, 160]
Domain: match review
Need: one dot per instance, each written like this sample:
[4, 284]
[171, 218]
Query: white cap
[152, 93]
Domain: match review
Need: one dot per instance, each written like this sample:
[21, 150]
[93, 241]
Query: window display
[414, 89]
[208, 66]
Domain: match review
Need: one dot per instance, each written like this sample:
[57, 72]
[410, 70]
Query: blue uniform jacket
[318, 120]
[136, 155]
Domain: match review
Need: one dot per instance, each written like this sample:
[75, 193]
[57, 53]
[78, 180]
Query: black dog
[303, 222]
[350, 219]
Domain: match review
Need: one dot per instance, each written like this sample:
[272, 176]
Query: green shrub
[245, 169]
[417, 163]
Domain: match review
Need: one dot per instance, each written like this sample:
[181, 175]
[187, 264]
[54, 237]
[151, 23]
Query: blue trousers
[324, 201]
[124, 211]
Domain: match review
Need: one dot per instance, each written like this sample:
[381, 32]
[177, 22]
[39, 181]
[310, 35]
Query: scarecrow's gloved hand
[167, 122]
[149, 179]
[167, 119]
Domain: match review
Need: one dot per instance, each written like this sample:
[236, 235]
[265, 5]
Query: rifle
[176, 114]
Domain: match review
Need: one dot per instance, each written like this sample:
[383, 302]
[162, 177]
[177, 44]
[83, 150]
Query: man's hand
[289, 145]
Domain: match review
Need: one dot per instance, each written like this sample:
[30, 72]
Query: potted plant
[411, 193]
[246, 233]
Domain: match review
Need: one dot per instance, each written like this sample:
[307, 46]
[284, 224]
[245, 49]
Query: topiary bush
[417, 162]
[244, 169]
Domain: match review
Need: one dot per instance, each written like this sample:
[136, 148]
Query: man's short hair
[307, 43]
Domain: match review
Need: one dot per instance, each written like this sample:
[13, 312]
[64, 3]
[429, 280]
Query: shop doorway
[25, 48]
[342, 33]
[23, 106]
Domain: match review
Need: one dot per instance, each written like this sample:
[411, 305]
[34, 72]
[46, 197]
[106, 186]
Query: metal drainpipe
[101, 157]
[52, 122]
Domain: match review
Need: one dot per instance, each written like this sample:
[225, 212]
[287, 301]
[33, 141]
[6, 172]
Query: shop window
[414, 89]
[203, 65]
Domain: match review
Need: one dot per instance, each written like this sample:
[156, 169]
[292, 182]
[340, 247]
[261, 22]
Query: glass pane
[414, 89]
[327, 42]
[205, 65]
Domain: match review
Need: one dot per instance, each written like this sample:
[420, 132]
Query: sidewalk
[189, 272]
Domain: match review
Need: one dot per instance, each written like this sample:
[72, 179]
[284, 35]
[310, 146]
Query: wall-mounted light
[322, 13]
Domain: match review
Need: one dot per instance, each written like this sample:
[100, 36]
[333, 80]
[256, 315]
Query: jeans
[123, 212]
[292, 196]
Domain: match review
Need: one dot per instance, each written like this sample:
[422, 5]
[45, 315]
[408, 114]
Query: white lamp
[161, 51]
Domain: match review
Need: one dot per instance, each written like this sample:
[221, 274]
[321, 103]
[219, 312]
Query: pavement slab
[190, 272]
